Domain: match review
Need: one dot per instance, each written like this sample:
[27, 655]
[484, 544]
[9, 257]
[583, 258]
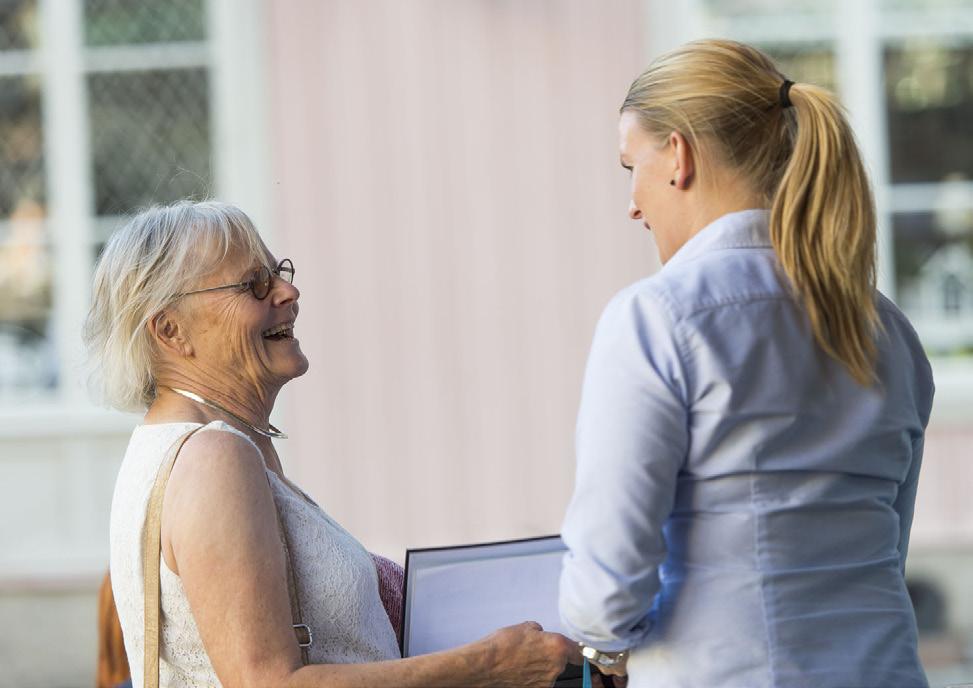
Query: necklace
[270, 432]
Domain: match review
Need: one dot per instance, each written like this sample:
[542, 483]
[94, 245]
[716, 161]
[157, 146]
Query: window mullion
[68, 182]
[238, 64]
[861, 82]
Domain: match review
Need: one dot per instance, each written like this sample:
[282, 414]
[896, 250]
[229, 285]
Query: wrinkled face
[242, 339]
[654, 201]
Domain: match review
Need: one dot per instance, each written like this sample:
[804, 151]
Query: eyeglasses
[259, 282]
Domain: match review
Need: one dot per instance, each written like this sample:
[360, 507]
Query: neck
[250, 402]
[245, 406]
[171, 406]
[728, 195]
[270, 431]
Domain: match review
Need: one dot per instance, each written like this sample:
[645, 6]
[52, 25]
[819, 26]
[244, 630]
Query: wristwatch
[602, 659]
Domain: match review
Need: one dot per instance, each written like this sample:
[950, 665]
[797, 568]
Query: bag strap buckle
[304, 636]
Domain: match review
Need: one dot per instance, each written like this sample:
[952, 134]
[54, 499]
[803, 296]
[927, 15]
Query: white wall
[57, 472]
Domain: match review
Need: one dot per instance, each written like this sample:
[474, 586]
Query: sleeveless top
[335, 575]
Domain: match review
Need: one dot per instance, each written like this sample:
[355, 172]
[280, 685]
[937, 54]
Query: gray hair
[161, 252]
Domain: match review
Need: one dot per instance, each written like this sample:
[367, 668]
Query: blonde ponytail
[822, 225]
[725, 97]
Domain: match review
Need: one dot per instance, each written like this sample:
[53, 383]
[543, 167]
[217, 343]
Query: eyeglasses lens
[285, 270]
[261, 282]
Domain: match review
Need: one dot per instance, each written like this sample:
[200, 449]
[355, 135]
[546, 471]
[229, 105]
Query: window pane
[813, 64]
[27, 357]
[934, 276]
[929, 95]
[126, 22]
[21, 144]
[18, 24]
[150, 137]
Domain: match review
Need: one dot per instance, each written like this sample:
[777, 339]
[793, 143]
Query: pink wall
[447, 181]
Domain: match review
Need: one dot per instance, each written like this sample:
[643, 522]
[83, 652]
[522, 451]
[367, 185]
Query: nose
[633, 210]
[283, 292]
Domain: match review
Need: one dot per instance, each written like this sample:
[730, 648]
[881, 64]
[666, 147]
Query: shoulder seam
[736, 300]
[660, 294]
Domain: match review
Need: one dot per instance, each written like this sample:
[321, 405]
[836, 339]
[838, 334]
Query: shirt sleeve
[924, 390]
[632, 439]
[905, 501]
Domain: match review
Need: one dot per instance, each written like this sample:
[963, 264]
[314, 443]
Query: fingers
[528, 656]
[606, 681]
[614, 671]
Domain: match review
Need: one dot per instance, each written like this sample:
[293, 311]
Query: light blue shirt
[742, 508]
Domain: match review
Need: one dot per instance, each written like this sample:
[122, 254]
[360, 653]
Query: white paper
[455, 596]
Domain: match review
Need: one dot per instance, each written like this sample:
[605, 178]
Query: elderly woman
[193, 320]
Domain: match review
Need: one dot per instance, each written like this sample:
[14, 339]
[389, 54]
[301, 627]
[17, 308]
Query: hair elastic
[785, 100]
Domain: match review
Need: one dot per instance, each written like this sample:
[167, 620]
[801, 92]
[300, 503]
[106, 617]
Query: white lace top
[336, 579]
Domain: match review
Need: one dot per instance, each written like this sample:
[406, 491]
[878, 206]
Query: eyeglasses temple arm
[223, 286]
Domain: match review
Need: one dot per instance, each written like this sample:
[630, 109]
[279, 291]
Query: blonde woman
[752, 420]
[193, 322]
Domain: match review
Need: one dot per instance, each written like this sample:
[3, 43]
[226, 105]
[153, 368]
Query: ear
[169, 334]
[683, 160]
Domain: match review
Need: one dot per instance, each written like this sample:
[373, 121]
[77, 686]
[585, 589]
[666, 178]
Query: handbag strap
[152, 560]
[303, 632]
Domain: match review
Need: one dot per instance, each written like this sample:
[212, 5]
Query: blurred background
[444, 174]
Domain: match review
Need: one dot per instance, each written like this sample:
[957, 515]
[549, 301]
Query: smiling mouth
[282, 331]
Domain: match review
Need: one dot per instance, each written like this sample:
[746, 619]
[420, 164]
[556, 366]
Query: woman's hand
[525, 656]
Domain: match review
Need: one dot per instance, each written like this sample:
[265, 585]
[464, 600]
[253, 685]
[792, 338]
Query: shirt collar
[742, 229]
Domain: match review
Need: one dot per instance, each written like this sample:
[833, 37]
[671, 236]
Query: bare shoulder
[218, 486]
[213, 461]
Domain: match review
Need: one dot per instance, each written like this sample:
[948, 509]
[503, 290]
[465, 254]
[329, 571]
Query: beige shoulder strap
[151, 561]
[301, 630]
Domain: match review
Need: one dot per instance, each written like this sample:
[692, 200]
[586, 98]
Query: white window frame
[858, 30]
[235, 53]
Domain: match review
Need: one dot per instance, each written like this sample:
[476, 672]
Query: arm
[220, 536]
[632, 438]
[921, 392]
[905, 500]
